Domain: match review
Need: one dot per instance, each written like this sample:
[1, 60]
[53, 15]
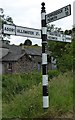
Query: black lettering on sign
[37, 33]
[66, 13]
[53, 18]
[25, 32]
[55, 13]
[66, 8]
[18, 31]
[9, 29]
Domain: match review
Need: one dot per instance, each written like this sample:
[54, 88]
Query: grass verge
[28, 102]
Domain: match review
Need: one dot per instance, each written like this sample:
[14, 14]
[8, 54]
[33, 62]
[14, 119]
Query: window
[9, 66]
[39, 66]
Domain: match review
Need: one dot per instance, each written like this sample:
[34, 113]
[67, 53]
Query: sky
[27, 13]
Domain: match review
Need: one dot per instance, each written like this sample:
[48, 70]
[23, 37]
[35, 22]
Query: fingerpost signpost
[43, 34]
[45, 19]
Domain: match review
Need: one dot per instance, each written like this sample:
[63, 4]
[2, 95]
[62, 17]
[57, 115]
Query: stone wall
[24, 64]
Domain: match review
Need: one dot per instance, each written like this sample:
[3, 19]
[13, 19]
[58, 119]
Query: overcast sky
[27, 13]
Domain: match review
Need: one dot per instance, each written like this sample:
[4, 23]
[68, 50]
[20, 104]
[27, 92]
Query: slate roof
[16, 52]
[33, 50]
[12, 57]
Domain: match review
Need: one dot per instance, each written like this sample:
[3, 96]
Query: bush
[53, 73]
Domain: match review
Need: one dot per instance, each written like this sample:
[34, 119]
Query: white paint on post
[45, 101]
[45, 80]
[43, 16]
[44, 30]
[44, 58]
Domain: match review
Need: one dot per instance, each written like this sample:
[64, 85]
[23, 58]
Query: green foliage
[66, 61]
[9, 19]
[74, 50]
[28, 42]
[68, 32]
[63, 53]
[17, 83]
[61, 89]
[28, 102]
[53, 73]
[5, 20]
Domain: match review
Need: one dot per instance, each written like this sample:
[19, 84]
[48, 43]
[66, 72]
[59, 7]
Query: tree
[28, 42]
[54, 30]
[68, 32]
[7, 20]
[4, 18]
[1, 12]
[50, 28]
[36, 45]
[63, 53]
[20, 44]
[73, 35]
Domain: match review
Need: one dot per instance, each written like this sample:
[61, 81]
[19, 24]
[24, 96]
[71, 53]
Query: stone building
[21, 59]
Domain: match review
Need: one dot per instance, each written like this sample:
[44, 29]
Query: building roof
[33, 50]
[12, 57]
[16, 52]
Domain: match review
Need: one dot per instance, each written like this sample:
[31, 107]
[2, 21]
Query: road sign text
[58, 14]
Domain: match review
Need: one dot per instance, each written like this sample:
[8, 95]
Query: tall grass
[61, 92]
[17, 83]
[28, 102]
[0, 96]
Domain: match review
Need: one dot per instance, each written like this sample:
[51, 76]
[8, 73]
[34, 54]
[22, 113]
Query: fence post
[44, 57]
